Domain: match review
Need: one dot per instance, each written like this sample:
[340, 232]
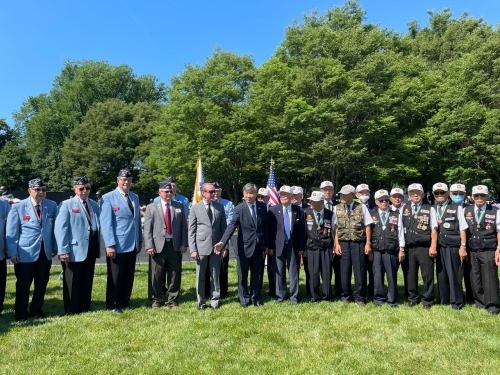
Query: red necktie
[168, 219]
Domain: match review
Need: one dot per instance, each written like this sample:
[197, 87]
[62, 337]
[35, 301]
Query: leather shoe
[427, 307]
[117, 311]
[202, 307]
[412, 304]
[258, 304]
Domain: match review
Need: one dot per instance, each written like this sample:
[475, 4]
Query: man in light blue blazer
[121, 231]
[77, 236]
[31, 246]
[4, 211]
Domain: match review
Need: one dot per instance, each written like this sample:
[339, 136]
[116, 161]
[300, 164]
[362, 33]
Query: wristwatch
[463, 244]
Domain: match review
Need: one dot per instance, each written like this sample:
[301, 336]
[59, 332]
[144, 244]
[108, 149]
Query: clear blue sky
[159, 36]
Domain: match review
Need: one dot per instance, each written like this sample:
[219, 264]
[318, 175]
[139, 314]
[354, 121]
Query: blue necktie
[286, 224]
[383, 216]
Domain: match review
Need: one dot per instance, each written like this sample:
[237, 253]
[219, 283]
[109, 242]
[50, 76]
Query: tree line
[341, 99]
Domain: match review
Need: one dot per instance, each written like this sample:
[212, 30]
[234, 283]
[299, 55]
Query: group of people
[332, 240]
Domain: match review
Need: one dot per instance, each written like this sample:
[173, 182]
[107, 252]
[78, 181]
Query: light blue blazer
[25, 234]
[119, 227]
[4, 211]
[72, 228]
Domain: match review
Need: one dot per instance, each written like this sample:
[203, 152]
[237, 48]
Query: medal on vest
[416, 212]
[479, 218]
[384, 221]
[488, 226]
[440, 215]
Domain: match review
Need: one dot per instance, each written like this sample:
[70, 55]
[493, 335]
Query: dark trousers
[319, 262]
[288, 260]
[121, 272]
[447, 269]
[404, 268]
[369, 271]
[338, 279]
[167, 262]
[78, 278]
[223, 277]
[3, 281]
[27, 273]
[353, 260]
[418, 256]
[484, 280]
[270, 275]
[305, 265]
[467, 271]
[385, 263]
[254, 265]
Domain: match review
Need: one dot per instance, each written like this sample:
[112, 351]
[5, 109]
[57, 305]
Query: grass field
[324, 338]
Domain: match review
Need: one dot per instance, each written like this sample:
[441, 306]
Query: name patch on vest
[425, 211]
[451, 211]
[489, 216]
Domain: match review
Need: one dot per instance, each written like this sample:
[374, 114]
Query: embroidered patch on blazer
[115, 208]
[76, 210]
[26, 217]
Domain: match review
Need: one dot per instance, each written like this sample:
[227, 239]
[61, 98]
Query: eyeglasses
[84, 188]
[209, 191]
[439, 193]
[396, 196]
[383, 200]
[40, 190]
[457, 193]
[413, 193]
[479, 195]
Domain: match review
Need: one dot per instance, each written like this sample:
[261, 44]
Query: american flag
[271, 185]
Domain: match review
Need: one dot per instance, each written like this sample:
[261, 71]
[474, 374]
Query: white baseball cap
[297, 190]
[347, 189]
[362, 187]
[440, 186]
[381, 193]
[286, 189]
[263, 191]
[397, 191]
[415, 187]
[325, 184]
[480, 189]
[457, 187]
[317, 196]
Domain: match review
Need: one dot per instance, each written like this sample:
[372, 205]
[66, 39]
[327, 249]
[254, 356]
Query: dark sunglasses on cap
[479, 195]
[84, 188]
[440, 193]
[383, 200]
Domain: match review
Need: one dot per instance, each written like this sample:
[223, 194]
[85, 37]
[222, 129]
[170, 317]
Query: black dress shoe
[117, 311]
[128, 306]
[427, 307]
[258, 304]
[202, 307]
[412, 304]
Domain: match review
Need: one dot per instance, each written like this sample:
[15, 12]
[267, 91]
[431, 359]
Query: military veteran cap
[286, 189]
[216, 185]
[263, 191]
[317, 196]
[362, 187]
[36, 182]
[347, 189]
[381, 193]
[326, 184]
[125, 173]
[415, 187]
[480, 189]
[82, 180]
[171, 179]
[165, 184]
[457, 187]
[397, 191]
[440, 186]
[297, 190]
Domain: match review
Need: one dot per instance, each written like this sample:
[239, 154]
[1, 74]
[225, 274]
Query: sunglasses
[457, 193]
[209, 191]
[383, 200]
[438, 193]
[479, 195]
[40, 190]
[84, 188]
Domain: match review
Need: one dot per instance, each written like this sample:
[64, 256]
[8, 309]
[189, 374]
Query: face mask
[364, 198]
[459, 199]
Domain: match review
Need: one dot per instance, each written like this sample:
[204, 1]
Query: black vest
[484, 237]
[449, 227]
[318, 238]
[385, 239]
[417, 230]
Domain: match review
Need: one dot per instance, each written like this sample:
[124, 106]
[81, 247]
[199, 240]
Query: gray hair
[203, 187]
[250, 186]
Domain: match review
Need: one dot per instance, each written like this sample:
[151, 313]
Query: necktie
[383, 216]
[89, 217]
[168, 220]
[38, 214]
[129, 202]
[254, 217]
[286, 224]
[318, 215]
[440, 209]
[348, 208]
[209, 213]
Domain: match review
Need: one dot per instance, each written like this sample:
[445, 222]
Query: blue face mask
[459, 199]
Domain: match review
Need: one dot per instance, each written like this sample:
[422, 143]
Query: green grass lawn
[322, 338]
